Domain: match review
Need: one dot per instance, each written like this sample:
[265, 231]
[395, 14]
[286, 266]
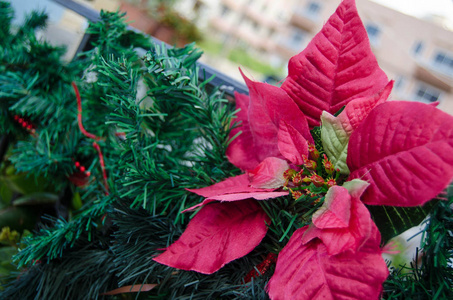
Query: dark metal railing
[226, 83]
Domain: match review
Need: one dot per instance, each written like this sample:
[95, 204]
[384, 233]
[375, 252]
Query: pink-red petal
[337, 239]
[239, 196]
[336, 67]
[268, 106]
[358, 109]
[404, 150]
[353, 237]
[310, 272]
[231, 185]
[336, 210]
[217, 235]
[291, 143]
[234, 189]
[269, 173]
[241, 151]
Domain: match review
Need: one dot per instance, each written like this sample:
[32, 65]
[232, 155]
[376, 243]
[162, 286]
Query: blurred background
[412, 40]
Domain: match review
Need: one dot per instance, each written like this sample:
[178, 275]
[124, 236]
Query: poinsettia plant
[369, 151]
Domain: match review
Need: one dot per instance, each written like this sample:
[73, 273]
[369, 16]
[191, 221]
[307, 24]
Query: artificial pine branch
[82, 274]
[156, 143]
[142, 150]
[162, 151]
[6, 16]
[48, 100]
[137, 239]
[431, 275]
[52, 242]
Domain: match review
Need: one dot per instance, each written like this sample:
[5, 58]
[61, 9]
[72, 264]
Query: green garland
[155, 144]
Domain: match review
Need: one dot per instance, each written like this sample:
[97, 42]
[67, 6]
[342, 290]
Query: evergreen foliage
[162, 128]
[57, 279]
[431, 277]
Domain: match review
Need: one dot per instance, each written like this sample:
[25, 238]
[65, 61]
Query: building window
[271, 32]
[374, 33]
[399, 82]
[313, 8]
[255, 25]
[296, 39]
[444, 62]
[426, 94]
[418, 47]
[224, 11]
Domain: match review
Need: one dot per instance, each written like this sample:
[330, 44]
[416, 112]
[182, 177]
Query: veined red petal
[241, 151]
[232, 185]
[404, 150]
[291, 143]
[336, 67]
[336, 210]
[269, 173]
[342, 230]
[268, 106]
[218, 234]
[239, 196]
[234, 189]
[358, 109]
[310, 272]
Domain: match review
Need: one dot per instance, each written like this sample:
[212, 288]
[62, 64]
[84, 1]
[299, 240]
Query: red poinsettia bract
[396, 153]
[337, 257]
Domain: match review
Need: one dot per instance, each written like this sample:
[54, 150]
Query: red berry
[77, 164]
[88, 173]
[82, 169]
[16, 117]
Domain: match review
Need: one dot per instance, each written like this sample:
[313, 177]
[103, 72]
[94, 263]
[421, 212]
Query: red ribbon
[91, 136]
[262, 268]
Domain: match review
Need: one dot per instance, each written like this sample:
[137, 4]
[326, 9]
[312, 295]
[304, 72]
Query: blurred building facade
[417, 54]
